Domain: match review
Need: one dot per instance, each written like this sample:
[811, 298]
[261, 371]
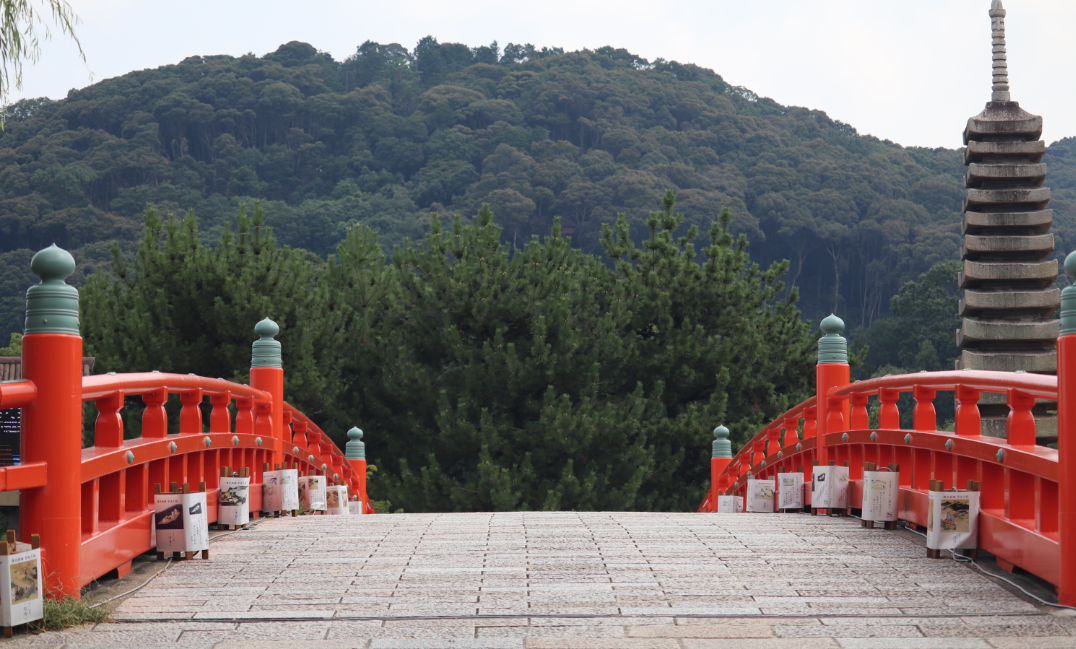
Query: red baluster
[968, 420]
[263, 422]
[773, 440]
[860, 418]
[1021, 421]
[220, 420]
[835, 416]
[791, 430]
[154, 418]
[108, 429]
[810, 422]
[300, 434]
[244, 416]
[888, 414]
[190, 416]
[758, 447]
[924, 417]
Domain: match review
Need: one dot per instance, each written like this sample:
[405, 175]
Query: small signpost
[21, 594]
[336, 500]
[280, 491]
[790, 491]
[760, 495]
[233, 499]
[952, 519]
[181, 521]
[829, 489]
[729, 504]
[312, 493]
[880, 493]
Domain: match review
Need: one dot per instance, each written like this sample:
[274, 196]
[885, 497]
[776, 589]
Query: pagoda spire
[1001, 62]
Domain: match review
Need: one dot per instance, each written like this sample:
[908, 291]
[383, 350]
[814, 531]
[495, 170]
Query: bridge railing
[1024, 488]
[93, 507]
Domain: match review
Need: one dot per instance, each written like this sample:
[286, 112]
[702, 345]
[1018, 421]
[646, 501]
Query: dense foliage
[390, 136]
[487, 376]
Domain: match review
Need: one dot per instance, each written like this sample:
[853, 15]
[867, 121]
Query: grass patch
[68, 612]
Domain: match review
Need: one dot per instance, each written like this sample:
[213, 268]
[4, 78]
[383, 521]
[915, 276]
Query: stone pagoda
[1008, 279]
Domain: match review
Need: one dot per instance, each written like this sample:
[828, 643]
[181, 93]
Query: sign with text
[21, 596]
[761, 495]
[829, 487]
[336, 500]
[312, 492]
[880, 491]
[280, 490]
[181, 522]
[789, 490]
[952, 520]
[233, 502]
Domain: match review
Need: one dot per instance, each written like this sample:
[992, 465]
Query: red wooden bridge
[93, 507]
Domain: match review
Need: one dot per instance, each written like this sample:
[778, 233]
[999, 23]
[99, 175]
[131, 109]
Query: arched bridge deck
[566, 579]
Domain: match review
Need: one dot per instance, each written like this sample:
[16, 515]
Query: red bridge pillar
[832, 371]
[52, 423]
[720, 459]
[267, 373]
[355, 453]
[1066, 439]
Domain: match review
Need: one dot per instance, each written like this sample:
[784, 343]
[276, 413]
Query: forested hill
[390, 136]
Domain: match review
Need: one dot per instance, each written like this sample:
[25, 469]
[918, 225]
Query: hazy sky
[911, 71]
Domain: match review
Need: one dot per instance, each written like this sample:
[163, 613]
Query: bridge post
[832, 371]
[52, 423]
[267, 373]
[355, 453]
[720, 458]
[1066, 439]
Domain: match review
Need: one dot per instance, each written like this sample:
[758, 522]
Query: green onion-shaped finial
[722, 447]
[266, 351]
[832, 348]
[356, 449]
[1068, 299]
[52, 305]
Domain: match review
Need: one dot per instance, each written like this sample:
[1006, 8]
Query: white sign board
[761, 495]
[233, 501]
[21, 596]
[729, 504]
[829, 487]
[789, 490]
[952, 520]
[355, 508]
[312, 492]
[280, 491]
[336, 500]
[880, 491]
[181, 522]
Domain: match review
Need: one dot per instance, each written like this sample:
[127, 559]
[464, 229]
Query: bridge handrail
[1039, 385]
[98, 386]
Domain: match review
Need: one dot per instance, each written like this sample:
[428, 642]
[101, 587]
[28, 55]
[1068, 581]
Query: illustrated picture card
[21, 596]
[336, 500]
[233, 502]
[354, 507]
[952, 520]
[181, 522]
[761, 495]
[880, 492]
[312, 492]
[280, 490]
[789, 490]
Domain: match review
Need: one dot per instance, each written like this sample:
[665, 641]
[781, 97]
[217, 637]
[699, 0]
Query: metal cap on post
[1066, 439]
[52, 423]
[832, 371]
[267, 373]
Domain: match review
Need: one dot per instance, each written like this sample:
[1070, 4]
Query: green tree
[181, 306]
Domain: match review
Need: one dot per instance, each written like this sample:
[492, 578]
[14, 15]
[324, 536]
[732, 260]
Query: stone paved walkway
[572, 580]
